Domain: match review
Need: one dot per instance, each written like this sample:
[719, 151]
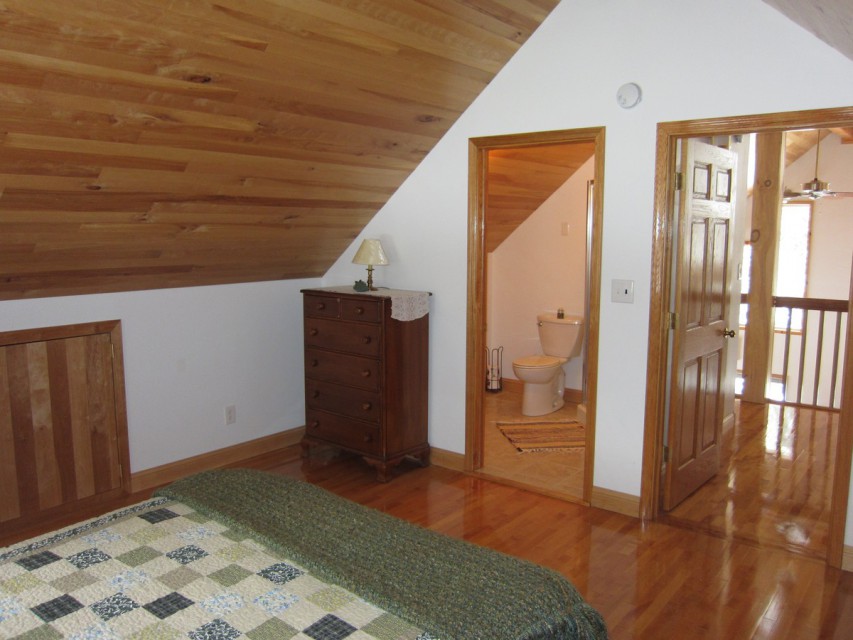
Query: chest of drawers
[365, 378]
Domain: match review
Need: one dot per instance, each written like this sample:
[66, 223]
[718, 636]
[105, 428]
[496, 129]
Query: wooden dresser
[365, 377]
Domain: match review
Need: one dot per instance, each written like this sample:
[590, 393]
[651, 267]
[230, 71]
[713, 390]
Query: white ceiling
[829, 20]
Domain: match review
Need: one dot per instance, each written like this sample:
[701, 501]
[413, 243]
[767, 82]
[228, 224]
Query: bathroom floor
[556, 473]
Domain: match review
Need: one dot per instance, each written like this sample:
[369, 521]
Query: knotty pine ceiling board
[520, 179]
[148, 144]
[829, 20]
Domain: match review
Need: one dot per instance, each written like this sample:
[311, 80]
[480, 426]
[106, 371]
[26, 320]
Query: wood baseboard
[616, 501]
[273, 449]
[575, 396]
[447, 459]
[512, 383]
[847, 558]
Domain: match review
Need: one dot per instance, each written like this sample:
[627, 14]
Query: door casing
[664, 228]
[478, 149]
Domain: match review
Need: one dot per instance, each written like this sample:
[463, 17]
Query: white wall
[538, 270]
[566, 76]
[190, 352]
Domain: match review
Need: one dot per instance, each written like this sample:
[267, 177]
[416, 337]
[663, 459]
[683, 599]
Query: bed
[239, 553]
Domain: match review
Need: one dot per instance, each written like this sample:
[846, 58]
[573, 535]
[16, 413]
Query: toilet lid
[538, 361]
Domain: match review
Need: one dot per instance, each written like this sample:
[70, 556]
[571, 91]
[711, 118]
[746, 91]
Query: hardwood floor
[556, 473]
[709, 579]
[775, 486]
[649, 581]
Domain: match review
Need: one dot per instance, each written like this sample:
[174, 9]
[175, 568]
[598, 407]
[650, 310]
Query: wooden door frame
[664, 226]
[478, 149]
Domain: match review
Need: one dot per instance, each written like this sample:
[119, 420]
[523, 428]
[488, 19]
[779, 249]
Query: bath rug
[544, 436]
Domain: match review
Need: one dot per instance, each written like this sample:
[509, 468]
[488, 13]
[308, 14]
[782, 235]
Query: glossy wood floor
[775, 485]
[557, 473]
[653, 581]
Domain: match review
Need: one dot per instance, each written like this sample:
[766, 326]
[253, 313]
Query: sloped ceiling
[148, 144]
[829, 20]
[521, 179]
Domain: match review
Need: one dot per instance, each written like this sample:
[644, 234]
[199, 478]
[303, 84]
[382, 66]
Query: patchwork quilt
[161, 570]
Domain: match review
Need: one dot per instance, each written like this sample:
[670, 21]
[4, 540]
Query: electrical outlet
[622, 291]
[231, 414]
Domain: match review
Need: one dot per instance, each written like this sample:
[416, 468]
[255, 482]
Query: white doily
[407, 305]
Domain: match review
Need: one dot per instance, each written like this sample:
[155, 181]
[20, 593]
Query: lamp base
[370, 286]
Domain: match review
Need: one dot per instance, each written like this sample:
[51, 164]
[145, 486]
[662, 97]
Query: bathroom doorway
[534, 247]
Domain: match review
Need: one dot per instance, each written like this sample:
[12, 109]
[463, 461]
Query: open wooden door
[700, 332]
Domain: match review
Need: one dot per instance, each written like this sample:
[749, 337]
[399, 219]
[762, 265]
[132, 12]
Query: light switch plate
[622, 291]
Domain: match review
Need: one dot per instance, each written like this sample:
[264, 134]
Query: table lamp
[370, 253]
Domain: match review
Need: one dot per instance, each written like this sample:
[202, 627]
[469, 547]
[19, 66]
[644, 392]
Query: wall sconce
[370, 253]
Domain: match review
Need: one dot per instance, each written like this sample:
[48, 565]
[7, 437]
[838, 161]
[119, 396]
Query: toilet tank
[561, 337]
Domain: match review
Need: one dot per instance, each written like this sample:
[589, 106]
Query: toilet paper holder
[494, 362]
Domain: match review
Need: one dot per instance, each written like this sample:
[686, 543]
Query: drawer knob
[314, 424]
[313, 332]
[316, 394]
[365, 373]
[359, 311]
[321, 306]
[315, 362]
[368, 438]
[367, 339]
[367, 406]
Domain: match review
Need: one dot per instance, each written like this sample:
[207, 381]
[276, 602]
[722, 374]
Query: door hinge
[673, 320]
[665, 453]
[679, 181]
[112, 351]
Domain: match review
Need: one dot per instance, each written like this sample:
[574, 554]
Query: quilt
[162, 570]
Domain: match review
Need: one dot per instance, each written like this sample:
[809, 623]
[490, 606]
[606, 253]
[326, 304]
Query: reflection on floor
[555, 473]
[775, 485]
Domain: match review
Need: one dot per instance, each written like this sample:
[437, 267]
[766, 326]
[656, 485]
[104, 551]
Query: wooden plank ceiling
[520, 179]
[148, 144]
[797, 143]
[829, 20]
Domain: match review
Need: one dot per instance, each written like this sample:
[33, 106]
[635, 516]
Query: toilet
[543, 375]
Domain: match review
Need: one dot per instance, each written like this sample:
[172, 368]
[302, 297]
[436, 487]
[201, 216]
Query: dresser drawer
[361, 339]
[355, 403]
[321, 306]
[361, 310]
[344, 432]
[340, 368]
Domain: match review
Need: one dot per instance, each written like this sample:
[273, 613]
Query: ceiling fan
[816, 188]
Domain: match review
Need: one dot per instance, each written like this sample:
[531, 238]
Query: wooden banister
[805, 350]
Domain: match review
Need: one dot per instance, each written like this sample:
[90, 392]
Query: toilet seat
[538, 361]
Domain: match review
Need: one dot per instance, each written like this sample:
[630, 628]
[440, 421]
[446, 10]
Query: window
[792, 263]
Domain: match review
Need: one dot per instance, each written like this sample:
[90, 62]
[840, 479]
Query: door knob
[728, 333]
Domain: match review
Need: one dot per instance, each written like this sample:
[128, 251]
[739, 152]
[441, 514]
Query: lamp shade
[370, 253]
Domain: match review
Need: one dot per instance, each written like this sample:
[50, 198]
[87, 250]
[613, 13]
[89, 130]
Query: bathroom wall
[537, 269]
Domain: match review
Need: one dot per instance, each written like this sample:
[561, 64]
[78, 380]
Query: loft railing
[812, 350]
[808, 351]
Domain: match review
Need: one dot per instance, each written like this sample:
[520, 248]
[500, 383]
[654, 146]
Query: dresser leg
[422, 457]
[382, 468]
